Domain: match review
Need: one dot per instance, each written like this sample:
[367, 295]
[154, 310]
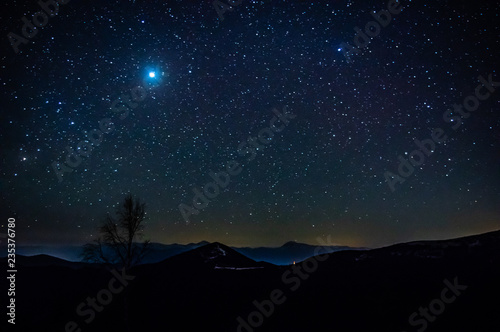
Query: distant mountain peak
[291, 244]
[201, 243]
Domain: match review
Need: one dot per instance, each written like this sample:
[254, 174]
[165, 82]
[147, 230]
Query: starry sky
[174, 92]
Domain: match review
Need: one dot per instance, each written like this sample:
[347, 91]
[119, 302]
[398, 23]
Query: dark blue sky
[215, 87]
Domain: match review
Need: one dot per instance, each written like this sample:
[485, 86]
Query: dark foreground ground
[208, 288]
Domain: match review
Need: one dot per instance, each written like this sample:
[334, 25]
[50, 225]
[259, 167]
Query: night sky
[189, 92]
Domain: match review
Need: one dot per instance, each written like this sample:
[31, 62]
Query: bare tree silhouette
[115, 245]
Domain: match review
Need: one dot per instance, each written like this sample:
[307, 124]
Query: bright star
[153, 75]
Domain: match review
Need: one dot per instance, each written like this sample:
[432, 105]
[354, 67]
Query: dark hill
[213, 255]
